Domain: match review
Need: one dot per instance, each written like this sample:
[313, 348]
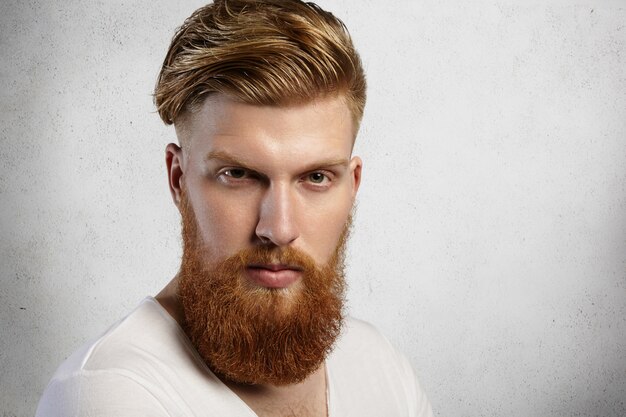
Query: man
[266, 98]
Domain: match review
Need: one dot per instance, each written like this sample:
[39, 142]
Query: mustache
[254, 257]
[263, 255]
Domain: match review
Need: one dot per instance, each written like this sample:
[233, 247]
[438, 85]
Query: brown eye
[317, 177]
[236, 173]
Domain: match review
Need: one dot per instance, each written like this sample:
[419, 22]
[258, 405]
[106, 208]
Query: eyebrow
[225, 157]
[230, 159]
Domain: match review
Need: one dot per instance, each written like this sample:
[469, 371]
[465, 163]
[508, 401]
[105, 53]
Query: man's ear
[355, 173]
[174, 164]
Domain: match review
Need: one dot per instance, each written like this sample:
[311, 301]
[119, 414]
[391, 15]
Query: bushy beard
[256, 335]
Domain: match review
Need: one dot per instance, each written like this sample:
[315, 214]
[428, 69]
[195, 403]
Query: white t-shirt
[144, 366]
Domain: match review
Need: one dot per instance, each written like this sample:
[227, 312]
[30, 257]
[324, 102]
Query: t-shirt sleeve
[98, 394]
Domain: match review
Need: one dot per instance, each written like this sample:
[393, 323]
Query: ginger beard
[255, 335]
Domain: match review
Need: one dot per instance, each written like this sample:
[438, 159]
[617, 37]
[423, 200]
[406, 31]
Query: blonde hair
[264, 52]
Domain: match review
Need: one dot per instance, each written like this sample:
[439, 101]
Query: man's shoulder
[142, 366]
[111, 366]
[361, 339]
[370, 377]
[358, 327]
[135, 335]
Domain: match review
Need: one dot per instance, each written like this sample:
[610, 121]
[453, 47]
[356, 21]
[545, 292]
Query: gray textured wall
[490, 241]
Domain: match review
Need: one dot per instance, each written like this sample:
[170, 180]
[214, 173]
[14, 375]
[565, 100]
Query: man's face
[281, 176]
[265, 195]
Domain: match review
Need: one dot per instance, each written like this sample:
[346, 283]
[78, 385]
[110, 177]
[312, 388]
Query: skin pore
[273, 176]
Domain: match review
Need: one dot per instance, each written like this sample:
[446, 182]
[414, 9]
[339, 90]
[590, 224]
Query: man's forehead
[220, 115]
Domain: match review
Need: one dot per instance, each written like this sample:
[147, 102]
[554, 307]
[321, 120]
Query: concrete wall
[490, 240]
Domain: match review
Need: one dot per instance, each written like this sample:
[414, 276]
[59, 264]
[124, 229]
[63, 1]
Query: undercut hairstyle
[262, 52]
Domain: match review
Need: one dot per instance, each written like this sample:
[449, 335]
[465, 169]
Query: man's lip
[275, 267]
[273, 275]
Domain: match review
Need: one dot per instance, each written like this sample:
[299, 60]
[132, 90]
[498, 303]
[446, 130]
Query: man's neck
[168, 298]
[305, 399]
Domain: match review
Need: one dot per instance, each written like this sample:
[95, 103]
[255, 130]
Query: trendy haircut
[263, 52]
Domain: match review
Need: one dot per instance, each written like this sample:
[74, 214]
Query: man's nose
[277, 216]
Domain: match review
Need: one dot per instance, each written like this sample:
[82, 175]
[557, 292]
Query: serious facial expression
[255, 175]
